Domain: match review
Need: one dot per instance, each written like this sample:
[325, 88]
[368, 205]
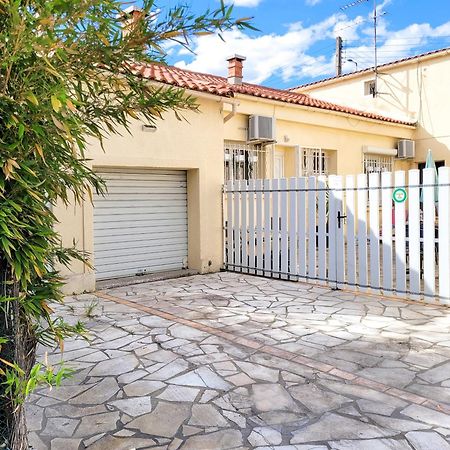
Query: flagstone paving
[231, 361]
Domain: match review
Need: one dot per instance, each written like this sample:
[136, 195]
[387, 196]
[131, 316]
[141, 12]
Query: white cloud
[245, 3]
[302, 53]
[282, 54]
[312, 2]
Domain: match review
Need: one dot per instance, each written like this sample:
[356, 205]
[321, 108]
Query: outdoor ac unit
[406, 149]
[261, 128]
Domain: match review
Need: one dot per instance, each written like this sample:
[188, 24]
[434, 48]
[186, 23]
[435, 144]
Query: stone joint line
[287, 355]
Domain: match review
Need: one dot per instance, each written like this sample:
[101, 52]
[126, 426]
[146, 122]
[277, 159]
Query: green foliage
[66, 79]
[18, 385]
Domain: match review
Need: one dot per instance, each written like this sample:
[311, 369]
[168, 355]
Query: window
[314, 162]
[244, 161]
[369, 88]
[378, 163]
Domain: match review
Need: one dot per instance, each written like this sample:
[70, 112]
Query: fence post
[301, 224]
[312, 234]
[244, 229]
[374, 223]
[414, 233]
[259, 227]
[400, 237]
[229, 249]
[292, 269]
[362, 230]
[267, 230]
[351, 220]
[386, 228]
[322, 225]
[429, 206]
[444, 234]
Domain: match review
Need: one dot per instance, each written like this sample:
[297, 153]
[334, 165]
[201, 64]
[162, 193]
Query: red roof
[441, 51]
[213, 84]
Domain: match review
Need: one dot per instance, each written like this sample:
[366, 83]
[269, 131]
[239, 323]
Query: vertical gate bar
[444, 234]
[386, 228]
[400, 237]
[259, 227]
[322, 225]
[429, 271]
[284, 227]
[332, 226]
[374, 224]
[275, 227]
[237, 225]
[340, 254]
[267, 230]
[312, 232]
[292, 268]
[251, 226]
[229, 259]
[362, 230]
[301, 215]
[414, 233]
[244, 232]
[351, 220]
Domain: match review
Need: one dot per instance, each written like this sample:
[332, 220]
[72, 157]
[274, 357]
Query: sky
[295, 43]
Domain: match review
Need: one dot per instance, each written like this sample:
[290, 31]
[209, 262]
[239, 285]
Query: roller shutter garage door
[140, 225]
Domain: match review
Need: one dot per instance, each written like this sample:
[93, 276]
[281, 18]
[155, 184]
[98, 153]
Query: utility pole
[375, 47]
[338, 56]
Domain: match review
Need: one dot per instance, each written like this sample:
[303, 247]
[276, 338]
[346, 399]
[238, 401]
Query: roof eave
[410, 126]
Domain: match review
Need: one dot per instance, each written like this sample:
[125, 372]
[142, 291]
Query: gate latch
[340, 218]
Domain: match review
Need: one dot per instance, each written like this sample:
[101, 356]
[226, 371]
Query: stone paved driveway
[230, 361]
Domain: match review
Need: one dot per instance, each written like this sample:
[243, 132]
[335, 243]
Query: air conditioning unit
[261, 129]
[406, 149]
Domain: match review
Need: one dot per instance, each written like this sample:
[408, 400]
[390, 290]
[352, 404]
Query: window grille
[378, 163]
[244, 161]
[314, 162]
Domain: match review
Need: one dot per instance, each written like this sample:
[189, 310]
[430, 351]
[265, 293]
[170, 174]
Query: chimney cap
[129, 11]
[237, 57]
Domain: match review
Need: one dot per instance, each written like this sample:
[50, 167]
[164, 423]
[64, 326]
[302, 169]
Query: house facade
[163, 209]
[413, 89]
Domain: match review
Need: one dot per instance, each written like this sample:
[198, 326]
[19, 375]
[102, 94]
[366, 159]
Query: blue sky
[296, 40]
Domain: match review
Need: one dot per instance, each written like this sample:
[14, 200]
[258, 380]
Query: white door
[278, 164]
[140, 225]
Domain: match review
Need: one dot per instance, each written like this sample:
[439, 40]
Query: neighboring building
[414, 89]
[164, 206]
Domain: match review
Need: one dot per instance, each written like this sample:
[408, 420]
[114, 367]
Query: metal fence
[386, 233]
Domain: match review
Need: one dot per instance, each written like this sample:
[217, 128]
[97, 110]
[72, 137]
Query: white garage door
[140, 225]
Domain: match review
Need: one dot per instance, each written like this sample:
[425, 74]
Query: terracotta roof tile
[216, 85]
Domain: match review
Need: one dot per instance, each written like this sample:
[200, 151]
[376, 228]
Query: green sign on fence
[399, 195]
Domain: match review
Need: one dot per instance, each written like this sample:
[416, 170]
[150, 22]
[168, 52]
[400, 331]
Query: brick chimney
[235, 66]
[129, 17]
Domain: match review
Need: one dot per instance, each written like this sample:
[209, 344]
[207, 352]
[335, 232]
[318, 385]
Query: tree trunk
[21, 349]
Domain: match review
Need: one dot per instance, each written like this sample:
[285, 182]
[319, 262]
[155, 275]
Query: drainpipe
[234, 104]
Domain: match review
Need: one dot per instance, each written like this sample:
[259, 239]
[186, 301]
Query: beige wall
[195, 146]
[415, 91]
[296, 126]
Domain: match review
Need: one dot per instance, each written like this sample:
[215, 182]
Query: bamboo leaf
[56, 103]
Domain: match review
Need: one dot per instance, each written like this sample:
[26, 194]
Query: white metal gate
[345, 231]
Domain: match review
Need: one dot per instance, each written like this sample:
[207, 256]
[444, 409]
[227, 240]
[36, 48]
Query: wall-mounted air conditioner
[406, 149]
[261, 129]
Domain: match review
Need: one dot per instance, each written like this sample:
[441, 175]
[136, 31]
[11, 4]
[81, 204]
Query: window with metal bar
[244, 161]
[378, 163]
[314, 162]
